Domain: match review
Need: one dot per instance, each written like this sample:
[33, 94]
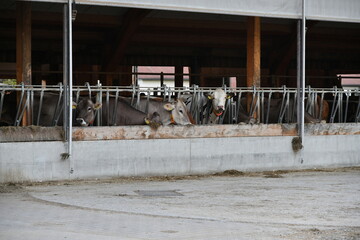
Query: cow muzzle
[81, 122]
[219, 111]
[220, 108]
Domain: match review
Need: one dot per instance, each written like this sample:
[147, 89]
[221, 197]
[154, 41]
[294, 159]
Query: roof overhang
[325, 10]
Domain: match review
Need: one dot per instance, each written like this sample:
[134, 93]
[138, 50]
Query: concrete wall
[41, 161]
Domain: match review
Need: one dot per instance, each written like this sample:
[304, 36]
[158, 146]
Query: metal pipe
[99, 100]
[268, 108]
[107, 107]
[357, 115]
[114, 116]
[346, 107]
[262, 107]
[40, 106]
[17, 120]
[2, 101]
[67, 101]
[301, 27]
[65, 69]
[293, 113]
[340, 107]
[77, 95]
[288, 107]
[70, 84]
[321, 105]
[24, 107]
[238, 103]
[302, 86]
[283, 106]
[57, 107]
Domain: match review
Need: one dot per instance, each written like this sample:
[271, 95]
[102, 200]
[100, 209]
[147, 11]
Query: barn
[302, 55]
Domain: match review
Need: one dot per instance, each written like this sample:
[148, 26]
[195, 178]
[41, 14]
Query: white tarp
[328, 10]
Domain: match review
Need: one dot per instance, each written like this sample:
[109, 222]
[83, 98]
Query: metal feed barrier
[344, 104]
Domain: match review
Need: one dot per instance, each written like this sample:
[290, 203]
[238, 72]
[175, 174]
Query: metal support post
[301, 73]
[67, 79]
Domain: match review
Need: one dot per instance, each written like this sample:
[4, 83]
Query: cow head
[85, 112]
[218, 99]
[153, 120]
[179, 114]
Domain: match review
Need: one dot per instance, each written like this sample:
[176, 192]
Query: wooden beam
[23, 50]
[195, 73]
[289, 51]
[253, 67]
[23, 42]
[131, 21]
[253, 52]
[179, 77]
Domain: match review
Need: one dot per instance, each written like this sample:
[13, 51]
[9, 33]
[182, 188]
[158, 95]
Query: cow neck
[172, 121]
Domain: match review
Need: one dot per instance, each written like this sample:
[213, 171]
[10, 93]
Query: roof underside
[325, 10]
[107, 37]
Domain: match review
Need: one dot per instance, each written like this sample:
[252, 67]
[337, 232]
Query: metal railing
[343, 104]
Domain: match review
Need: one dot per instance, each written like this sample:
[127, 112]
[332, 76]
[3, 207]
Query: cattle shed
[306, 49]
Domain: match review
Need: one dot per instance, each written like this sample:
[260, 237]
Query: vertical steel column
[65, 69]
[67, 58]
[301, 29]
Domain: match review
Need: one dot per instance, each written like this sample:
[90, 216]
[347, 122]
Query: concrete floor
[280, 205]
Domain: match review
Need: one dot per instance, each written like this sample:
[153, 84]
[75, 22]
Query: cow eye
[89, 109]
[181, 111]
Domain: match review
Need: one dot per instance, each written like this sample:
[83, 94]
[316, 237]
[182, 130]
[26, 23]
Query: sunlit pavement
[298, 205]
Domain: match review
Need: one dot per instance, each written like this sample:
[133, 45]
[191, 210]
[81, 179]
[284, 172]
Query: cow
[291, 114]
[12, 111]
[51, 113]
[7, 108]
[207, 108]
[124, 114]
[174, 112]
[217, 100]
[275, 114]
[50, 107]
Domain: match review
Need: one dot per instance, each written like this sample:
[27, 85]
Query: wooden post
[23, 42]
[95, 76]
[253, 52]
[253, 55]
[161, 79]
[179, 76]
[126, 76]
[109, 79]
[195, 71]
[23, 50]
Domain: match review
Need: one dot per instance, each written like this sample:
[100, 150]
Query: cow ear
[147, 120]
[74, 105]
[169, 106]
[210, 96]
[230, 95]
[97, 106]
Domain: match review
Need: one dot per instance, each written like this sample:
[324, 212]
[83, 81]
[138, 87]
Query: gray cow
[51, 110]
[170, 112]
[124, 114]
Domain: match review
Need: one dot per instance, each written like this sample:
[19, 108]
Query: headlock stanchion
[272, 105]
